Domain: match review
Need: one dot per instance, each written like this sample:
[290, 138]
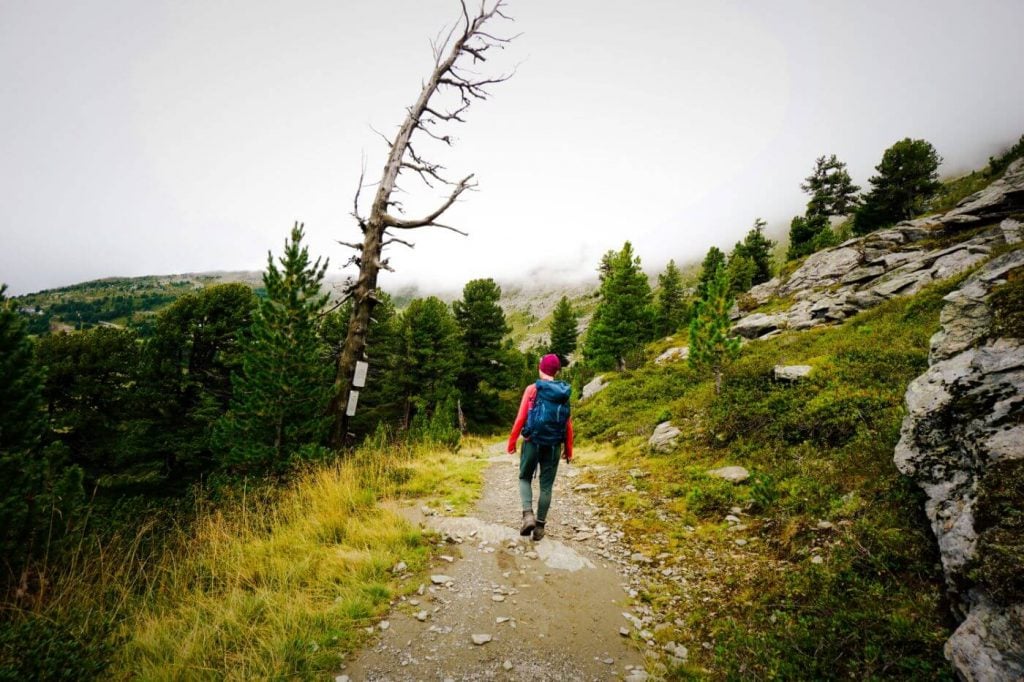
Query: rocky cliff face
[837, 283]
[963, 443]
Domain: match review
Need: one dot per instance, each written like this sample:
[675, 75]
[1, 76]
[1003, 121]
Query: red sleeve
[568, 439]
[524, 408]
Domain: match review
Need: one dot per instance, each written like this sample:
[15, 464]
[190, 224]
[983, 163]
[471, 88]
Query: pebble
[445, 557]
[624, 631]
[502, 619]
[817, 560]
[422, 616]
[384, 625]
[582, 487]
[440, 579]
[608, 661]
[507, 665]
[498, 597]
[740, 542]
[399, 567]
[341, 678]
[480, 640]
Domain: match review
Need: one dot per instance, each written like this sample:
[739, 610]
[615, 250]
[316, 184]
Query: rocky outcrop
[962, 442]
[664, 437]
[673, 354]
[835, 284]
[593, 387]
[792, 373]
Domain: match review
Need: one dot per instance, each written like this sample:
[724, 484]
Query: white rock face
[733, 474]
[664, 437]
[593, 387]
[673, 354]
[965, 415]
[792, 372]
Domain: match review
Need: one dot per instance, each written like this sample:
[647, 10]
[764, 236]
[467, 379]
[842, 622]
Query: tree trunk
[472, 43]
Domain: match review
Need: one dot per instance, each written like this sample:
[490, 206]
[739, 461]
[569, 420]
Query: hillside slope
[813, 558]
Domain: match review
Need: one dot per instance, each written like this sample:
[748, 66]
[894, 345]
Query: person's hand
[511, 449]
[568, 457]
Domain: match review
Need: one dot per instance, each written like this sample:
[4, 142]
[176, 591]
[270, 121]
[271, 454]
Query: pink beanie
[549, 364]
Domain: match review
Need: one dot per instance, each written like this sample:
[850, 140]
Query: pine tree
[39, 486]
[712, 260]
[907, 176]
[623, 321]
[806, 234]
[564, 330]
[758, 249]
[482, 327]
[831, 188]
[430, 357]
[671, 310]
[711, 347]
[740, 269]
[281, 394]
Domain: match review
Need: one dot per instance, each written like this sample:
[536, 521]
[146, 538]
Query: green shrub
[711, 496]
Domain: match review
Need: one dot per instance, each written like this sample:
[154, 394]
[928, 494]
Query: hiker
[545, 424]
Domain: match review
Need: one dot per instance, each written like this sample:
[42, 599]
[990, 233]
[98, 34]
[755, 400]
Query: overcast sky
[164, 137]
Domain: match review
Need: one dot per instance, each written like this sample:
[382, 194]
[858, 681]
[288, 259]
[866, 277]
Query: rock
[584, 487]
[1000, 199]
[664, 437]
[507, 665]
[817, 559]
[982, 647]
[440, 579]
[759, 324]
[733, 474]
[955, 263]
[740, 542]
[960, 439]
[446, 557]
[422, 616]
[636, 675]
[761, 293]
[863, 274]
[384, 625]
[341, 678]
[965, 319]
[593, 387]
[480, 640]
[824, 525]
[502, 619]
[637, 557]
[1013, 231]
[637, 473]
[498, 597]
[624, 631]
[399, 567]
[822, 269]
[731, 518]
[791, 372]
[903, 284]
[672, 354]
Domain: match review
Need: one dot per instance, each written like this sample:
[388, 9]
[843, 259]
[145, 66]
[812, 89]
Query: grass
[270, 583]
[870, 605]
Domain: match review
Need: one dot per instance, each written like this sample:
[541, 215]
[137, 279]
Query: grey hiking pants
[532, 457]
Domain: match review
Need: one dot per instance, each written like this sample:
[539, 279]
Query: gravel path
[550, 610]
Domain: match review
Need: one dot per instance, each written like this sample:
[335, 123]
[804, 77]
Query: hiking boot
[528, 522]
[538, 531]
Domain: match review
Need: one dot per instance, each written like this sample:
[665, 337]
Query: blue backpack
[547, 419]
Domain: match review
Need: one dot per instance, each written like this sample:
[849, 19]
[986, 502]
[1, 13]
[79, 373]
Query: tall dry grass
[278, 582]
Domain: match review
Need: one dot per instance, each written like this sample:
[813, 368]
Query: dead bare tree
[464, 46]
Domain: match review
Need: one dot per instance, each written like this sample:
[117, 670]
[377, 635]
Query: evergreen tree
[90, 393]
[711, 347]
[831, 188]
[430, 357]
[188, 365]
[564, 330]
[758, 249]
[623, 320]
[280, 398]
[39, 487]
[740, 270]
[482, 327]
[807, 235]
[712, 260]
[671, 310]
[907, 176]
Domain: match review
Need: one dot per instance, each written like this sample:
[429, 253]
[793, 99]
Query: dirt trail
[559, 603]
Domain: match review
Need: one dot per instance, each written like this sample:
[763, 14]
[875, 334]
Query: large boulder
[759, 324]
[673, 354]
[593, 387]
[664, 437]
[962, 441]
[822, 269]
[792, 373]
[1002, 198]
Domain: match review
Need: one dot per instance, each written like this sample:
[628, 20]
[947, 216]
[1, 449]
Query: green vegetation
[860, 595]
[711, 346]
[486, 365]
[564, 329]
[279, 401]
[832, 194]
[270, 583]
[671, 311]
[624, 319]
[907, 178]
[1007, 305]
